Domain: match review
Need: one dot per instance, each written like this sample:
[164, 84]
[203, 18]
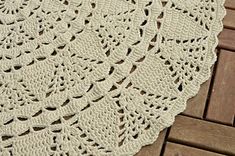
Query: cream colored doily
[99, 77]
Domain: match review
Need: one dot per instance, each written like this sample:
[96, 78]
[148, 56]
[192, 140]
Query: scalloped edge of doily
[169, 118]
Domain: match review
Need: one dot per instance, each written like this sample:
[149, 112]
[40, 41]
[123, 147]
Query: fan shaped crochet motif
[99, 77]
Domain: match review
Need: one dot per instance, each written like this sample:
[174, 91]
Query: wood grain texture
[203, 134]
[196, 105]
[227, 39]
[173, 149]
[155, 148]
[228, 19]
[222, 102]
[230, 4]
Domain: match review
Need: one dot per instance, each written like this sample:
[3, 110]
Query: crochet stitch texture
[99, 77]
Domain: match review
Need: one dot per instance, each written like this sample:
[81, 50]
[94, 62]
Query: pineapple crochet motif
[99, 77]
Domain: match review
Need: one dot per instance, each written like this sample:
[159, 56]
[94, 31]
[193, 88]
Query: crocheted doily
[99, 77]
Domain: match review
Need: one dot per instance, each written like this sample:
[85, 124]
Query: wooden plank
[196, 105]
[227, 39]
[173, 149]
[229, 19]
[230, 4]
[222, 102]
[155, 148]
[203, 134]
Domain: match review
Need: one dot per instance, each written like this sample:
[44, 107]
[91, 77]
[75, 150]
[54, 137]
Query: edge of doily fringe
[168, 119]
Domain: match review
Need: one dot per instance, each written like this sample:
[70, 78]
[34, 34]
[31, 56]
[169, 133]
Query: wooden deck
[207, 127]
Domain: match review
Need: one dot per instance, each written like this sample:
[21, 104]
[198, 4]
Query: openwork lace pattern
[99, 77]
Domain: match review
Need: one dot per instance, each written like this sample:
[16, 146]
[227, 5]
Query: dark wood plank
[229, 19]
[230, 4]
[222, 102]
[203, 134]
[173, 149]
[196, 105]
[153, 149]
[227, 39]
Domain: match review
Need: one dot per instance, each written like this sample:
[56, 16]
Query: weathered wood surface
[228, 23]
[227, 39]
[222, 102]
[173, 149]
[196, 105]
[230, 4]
[203, 134]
